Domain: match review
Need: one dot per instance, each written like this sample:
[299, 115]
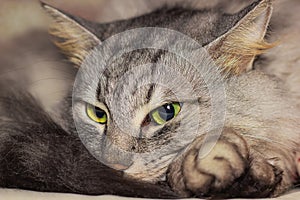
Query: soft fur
[254, 157]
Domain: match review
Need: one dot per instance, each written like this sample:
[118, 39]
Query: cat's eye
[165, 113]
[96, 114]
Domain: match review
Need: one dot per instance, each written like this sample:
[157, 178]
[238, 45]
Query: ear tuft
[70, 35]
[235, 51]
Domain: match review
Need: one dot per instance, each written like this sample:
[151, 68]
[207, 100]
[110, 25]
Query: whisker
[50, 78]
[12, 70]
[58, 92]
[56, 67]
[266, 139]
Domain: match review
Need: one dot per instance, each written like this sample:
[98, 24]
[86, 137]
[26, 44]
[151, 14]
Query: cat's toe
[260, 180]
[216, 171]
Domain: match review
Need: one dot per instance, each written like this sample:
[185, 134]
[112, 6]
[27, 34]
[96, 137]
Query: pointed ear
[235, 50]
[71, 35]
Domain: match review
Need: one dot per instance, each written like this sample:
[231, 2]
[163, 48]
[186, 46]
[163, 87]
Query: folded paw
[229, 170]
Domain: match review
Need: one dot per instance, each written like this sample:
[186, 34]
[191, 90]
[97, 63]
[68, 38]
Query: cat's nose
[119, 166]
[120, 161]
[114, 156]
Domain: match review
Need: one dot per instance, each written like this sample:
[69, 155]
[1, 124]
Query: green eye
[96, 114]
[165, 113]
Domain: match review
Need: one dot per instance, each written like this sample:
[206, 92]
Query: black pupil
[166, 112]
[99, 113]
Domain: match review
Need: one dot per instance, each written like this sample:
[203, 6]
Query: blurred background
[28, 57]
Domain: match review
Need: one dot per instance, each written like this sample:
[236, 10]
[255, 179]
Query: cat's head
[137, 108]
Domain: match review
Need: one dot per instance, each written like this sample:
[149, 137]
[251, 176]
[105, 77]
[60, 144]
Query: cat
[254, 156]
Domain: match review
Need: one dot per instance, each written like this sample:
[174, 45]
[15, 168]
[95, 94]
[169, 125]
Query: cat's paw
[215, 172]
[227, 171]
[261, 179]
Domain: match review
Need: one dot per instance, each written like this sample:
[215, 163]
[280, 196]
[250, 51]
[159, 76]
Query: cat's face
[138, 110]
[138, 116]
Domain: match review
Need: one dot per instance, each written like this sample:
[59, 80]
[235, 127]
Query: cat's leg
[232, 169]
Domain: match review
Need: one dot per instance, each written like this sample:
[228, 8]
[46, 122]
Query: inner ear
[235, 50]
[71, 35]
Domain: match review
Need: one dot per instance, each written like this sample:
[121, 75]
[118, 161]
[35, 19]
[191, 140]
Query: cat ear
[71, 35]
[235, 50]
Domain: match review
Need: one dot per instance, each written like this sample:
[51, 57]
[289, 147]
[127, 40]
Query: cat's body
[253, 158]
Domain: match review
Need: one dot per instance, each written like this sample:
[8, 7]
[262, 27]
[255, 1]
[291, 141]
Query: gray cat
[138, 126]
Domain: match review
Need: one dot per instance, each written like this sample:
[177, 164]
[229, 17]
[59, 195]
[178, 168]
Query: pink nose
[118, 166]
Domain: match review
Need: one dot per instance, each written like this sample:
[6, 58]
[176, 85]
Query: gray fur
[259, 108]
